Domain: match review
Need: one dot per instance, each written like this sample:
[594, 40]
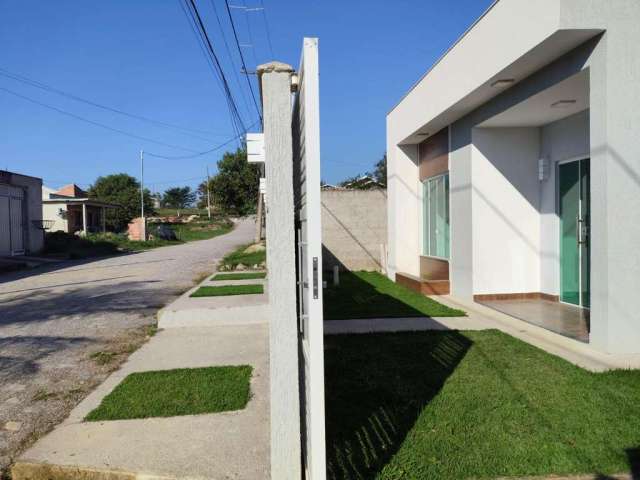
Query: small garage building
[20, 214]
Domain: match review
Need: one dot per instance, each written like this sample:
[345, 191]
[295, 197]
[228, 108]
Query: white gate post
[275, 81]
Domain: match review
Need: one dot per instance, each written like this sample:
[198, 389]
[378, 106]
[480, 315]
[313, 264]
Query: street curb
[25, 470]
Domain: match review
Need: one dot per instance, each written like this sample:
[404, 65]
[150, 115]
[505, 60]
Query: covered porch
[531, 201]
[87, 216]
[73, 215]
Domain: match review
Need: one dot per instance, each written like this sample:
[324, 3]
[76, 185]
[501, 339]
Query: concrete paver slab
[210, 446]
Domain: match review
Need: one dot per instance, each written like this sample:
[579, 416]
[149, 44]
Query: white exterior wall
[506, 203]
[404, 192]
[563, 140]
[50, 211]
[525, 40]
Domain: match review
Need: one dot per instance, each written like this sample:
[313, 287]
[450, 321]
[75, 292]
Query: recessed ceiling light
[503, 82]
[562, 103]
[423, 134]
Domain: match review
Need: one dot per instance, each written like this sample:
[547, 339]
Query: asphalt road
[64, 327]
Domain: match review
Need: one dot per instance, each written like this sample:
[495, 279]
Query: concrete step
[216, 311]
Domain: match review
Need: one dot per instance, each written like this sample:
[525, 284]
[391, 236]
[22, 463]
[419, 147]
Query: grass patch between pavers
[239, 276]
[447, 405]
[372, 295]
[170, 393]
[227, 290]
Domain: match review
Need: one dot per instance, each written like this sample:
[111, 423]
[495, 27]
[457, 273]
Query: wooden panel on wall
[434, 269]
[434, 154]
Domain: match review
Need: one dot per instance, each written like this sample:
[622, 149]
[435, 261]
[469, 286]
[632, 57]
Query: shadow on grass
[372, 295]
[371, 406]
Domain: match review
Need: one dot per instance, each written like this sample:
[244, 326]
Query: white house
[20, 214]
[514, 169]
[71, 210]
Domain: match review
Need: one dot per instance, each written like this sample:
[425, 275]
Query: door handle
[581, 234]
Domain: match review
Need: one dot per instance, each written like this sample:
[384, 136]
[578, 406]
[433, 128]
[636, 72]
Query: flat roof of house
[79, 201]
[510, 41]
[446, 52]
[5, 176]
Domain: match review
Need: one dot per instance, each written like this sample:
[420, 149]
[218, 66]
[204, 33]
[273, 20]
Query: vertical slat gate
[306, 172]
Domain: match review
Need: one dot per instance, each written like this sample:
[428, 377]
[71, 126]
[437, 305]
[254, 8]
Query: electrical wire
[199, 154]
[98, 124]
[246, 17]
[230, 55]
[195, 19]
[266, 27]
[244, 66]
[49, 88]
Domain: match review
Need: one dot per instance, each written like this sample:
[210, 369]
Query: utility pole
[144, 223]
[208, 195]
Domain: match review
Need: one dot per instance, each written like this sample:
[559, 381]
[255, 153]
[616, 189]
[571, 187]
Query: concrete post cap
[274, 67]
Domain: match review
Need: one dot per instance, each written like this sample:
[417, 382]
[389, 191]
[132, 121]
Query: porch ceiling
[537, 110]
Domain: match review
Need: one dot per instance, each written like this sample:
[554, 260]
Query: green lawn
[239, 256]
[372, 295]
[200, 230]
[456, 405]
[239, 276]
[169, 393]
[226, 290]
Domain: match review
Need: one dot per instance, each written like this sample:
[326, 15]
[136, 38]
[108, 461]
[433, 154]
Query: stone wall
[354, 226]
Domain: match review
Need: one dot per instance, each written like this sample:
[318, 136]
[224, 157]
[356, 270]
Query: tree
[360, 182]
[123, 190]
[379, 173]
[179, 198]
[234, 188]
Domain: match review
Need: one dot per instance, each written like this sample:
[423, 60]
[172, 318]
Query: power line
[233, 65]
[98, 124]
[211, 58]
[266, 27]
[246, 17]
[203, 32]
[199, 154]
[244, 66]
[49, 88]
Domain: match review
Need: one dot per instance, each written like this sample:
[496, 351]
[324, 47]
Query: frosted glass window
[436, 216]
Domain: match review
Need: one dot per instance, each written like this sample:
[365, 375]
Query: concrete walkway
[227, 445]
[480, 317]
[55, 317]
[188, 311]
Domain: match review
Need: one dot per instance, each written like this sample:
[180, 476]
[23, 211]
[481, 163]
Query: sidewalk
[210, 446]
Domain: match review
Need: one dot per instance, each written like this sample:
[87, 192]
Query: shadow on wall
[354, 226]
[372, 398]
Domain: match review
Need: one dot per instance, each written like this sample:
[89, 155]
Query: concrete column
[615, 186]
[84, 219]
[275, 81]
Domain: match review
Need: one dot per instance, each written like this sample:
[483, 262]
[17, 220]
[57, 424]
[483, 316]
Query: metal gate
[306, 176]
[12, 223]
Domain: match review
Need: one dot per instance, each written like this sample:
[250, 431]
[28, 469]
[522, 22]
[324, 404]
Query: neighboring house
[514, 169]
[71, 210]
[20, 214]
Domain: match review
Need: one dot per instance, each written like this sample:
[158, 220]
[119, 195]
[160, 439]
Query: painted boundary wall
[354, 226]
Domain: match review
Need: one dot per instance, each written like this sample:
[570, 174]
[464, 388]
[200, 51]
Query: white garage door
[11, 220]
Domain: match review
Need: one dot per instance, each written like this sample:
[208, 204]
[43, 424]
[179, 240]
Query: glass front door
[574, 209]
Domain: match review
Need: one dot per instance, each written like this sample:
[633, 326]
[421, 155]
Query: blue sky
[141, 57]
